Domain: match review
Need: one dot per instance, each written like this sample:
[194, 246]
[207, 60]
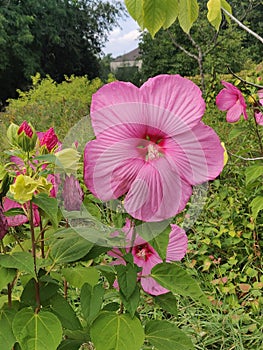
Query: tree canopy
[54, 37]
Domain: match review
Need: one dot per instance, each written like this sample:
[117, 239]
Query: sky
[124, 39]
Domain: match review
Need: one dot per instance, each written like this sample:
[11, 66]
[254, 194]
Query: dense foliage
[51, 37]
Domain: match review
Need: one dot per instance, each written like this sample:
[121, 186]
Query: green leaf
[127, 278]
[108, 272]
[70, 344]
[6, 276]
[40, 331]
[176, 279]
[154, 15]
[135, 9]
[78, 275]
[168, 302]
[188, 13]
[172, 10]
[225, 5]
[164, 335]
[70, 248]
[132, 303]
[49, 205]
[214, 14]
[256, 206]
[22, 261]
[14, 212]
[91, 298]
[119, 332]
[160, 242]
[46, 290]
[7, 339]
[253, 172]
[62, 309]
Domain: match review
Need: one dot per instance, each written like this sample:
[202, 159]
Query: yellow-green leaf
[172, 10]
[188, 14]
[135, 9]
[214, 14]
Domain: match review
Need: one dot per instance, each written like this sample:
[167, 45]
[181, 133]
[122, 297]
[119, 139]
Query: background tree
[203, 49]
[54, 37]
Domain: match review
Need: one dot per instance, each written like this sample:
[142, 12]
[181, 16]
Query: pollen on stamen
[152, 152]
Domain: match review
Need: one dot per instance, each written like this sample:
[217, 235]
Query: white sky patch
[124, 39]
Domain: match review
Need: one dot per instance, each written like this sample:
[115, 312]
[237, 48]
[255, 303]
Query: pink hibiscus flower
[146, 257]
[20, 219]
[150, 145]
[231, 100]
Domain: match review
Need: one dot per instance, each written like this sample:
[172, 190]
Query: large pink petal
[177, 245]
[259, 118]
[17, 219]
[197, 154]
[110, 168]
[158, 192]
[178, 95]
[169, 103]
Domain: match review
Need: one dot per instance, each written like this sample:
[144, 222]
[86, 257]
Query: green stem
[32, 229]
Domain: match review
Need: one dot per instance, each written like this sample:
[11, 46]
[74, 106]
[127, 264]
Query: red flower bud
[26, 128]
[49, 139]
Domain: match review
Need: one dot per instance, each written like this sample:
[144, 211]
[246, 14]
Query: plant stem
[32, 229]
[9, 294]
[42, 236]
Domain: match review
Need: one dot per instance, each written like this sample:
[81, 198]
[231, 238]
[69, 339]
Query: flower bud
[72, 194]
[3, 224]
[27, 137]
[49, 139]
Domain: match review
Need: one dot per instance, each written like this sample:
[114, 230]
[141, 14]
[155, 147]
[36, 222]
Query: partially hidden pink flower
[26, 128]
[48, 139]
[3, 224]
[258, 113]
[72, 193]
[150, 146]
[19, 219]
[146, 257]
[230, 99]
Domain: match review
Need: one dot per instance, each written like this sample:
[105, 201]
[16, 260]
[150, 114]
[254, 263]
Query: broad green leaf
[7, 339]
[62, 309]
[253, 172]
[135, 9]
[214, 14]
[154, 15]
[188, 13]
[91, 298]
[108, 272]
[132, 303]
[176, 279]
[127, 279]
[168, 302]
[161, 241]
[22, 261]
[46, 290]
[40, 331]
[172, 11]
[119, 332]
[6, 276]
[164, 335]
[79, 275]
[256, 206]
[70, 248]
[49, 205]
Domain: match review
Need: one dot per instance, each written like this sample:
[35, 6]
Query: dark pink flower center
[143, 251]
[151, 147]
